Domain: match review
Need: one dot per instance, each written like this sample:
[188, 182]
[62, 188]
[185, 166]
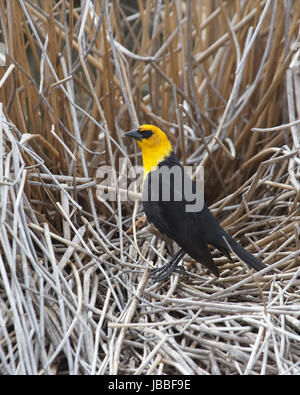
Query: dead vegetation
[74, 291]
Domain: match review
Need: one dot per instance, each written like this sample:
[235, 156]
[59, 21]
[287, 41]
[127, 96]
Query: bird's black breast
[168, 197]
[179, 216]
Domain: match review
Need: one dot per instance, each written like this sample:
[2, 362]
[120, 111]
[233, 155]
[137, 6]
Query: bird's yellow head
[154, 144]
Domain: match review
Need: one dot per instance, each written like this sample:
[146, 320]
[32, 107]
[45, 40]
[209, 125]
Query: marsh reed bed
[222, 78]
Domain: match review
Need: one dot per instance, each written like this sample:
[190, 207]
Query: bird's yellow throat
[154, 151]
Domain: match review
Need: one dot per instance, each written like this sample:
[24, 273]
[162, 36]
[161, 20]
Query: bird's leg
[161, 273]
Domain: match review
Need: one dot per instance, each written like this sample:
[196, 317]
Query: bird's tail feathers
[243, 254]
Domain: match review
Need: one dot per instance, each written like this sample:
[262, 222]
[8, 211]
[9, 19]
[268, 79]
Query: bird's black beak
[135, 134]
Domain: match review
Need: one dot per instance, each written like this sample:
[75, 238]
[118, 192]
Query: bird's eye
[146, 134]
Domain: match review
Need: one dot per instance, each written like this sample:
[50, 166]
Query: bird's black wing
[192, 231]
[171, 218]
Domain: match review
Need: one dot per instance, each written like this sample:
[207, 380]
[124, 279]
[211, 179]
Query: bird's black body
[192, 231]
[174, 205]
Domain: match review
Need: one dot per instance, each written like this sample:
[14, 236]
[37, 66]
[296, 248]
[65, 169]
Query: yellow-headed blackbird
[170, 201]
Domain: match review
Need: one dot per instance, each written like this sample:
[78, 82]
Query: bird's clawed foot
[162, 273]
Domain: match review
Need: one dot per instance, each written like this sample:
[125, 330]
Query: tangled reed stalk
[222, 78]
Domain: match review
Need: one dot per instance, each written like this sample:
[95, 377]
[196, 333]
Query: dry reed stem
[74, 291]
